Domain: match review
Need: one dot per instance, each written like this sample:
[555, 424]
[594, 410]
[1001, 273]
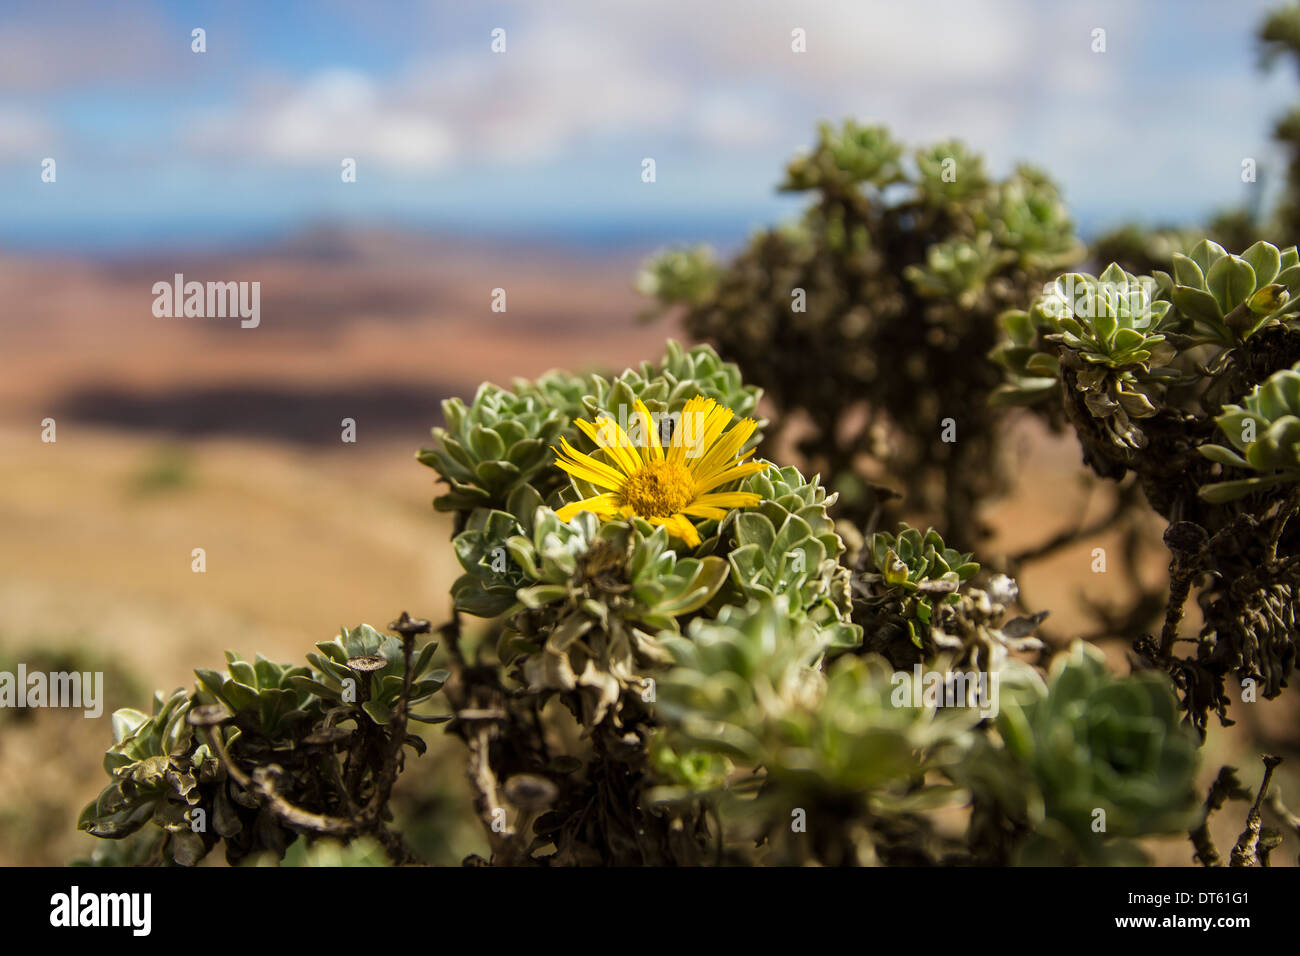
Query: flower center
[659, 489]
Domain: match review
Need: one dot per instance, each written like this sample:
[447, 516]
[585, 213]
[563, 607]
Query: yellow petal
[679, 526]
[724, 452]
[606, 433]
[728, 499]
[715, 420]
[697, 510]
[603, 505]
[694, 417]
[587, 468]
[727, 475]
[652, 450]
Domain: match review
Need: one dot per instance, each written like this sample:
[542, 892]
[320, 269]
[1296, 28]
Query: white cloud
[1016, 79]
[532, 103]
[334, 114]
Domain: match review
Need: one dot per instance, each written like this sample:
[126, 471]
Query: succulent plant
[959, 269]
[1031, 370]
[787, 545]
[1110, 332]
[1107, 325]
[1095, 742]
[1029, 218]
[626, 565]
[845, 744]
[196, 767]
[595, 595]
[488, 586]
[262, 696]
[500, 441]
[1265, 433]
[861, 316]
[845, 156]
[150, 767]
[563, 391]
[921, 570]
[371, 665]
[679, 275]
[666, 387]
[1111, 320]
[1225, 298]
[162, 774]
[949, 173]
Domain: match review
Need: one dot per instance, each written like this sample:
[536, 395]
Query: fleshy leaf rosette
[1110, 332]
[333, 662]
[844, 156]
[950, 174]
[1030, 218]
[594, 595]
[1224, 298]
[748, 686]
[149, 764]
[679, 275]
[921, 570]
[501, 440]
[1103, 751]
[1264, 434]
[280, 717]
[787, 545]
[498, 442]
[959, 269]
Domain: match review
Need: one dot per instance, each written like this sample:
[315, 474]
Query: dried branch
[1252, 848]
[1226, 787]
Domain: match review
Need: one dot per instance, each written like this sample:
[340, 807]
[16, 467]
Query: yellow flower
[665, 486]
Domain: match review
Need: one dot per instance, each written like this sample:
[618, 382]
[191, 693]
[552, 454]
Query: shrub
[678, 657]
[865, 320]
[1150, 371]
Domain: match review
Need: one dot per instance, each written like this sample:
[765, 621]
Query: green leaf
[1197, 304]
[1224, 456]
[1265, 260]
[1205, 253]
[1289, 277]
[1187, 272]
[379, 712]
[486, 443]
[754, 528]
[1042, 364]
[1128, 339]
[430, 718]
[1019, 326]
[1231, 280]
[541, 595]
[1225, 491]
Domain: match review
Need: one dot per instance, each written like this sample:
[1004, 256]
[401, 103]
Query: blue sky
[157, 145]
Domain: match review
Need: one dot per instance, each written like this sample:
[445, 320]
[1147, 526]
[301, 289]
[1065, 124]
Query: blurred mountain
[380, 321]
